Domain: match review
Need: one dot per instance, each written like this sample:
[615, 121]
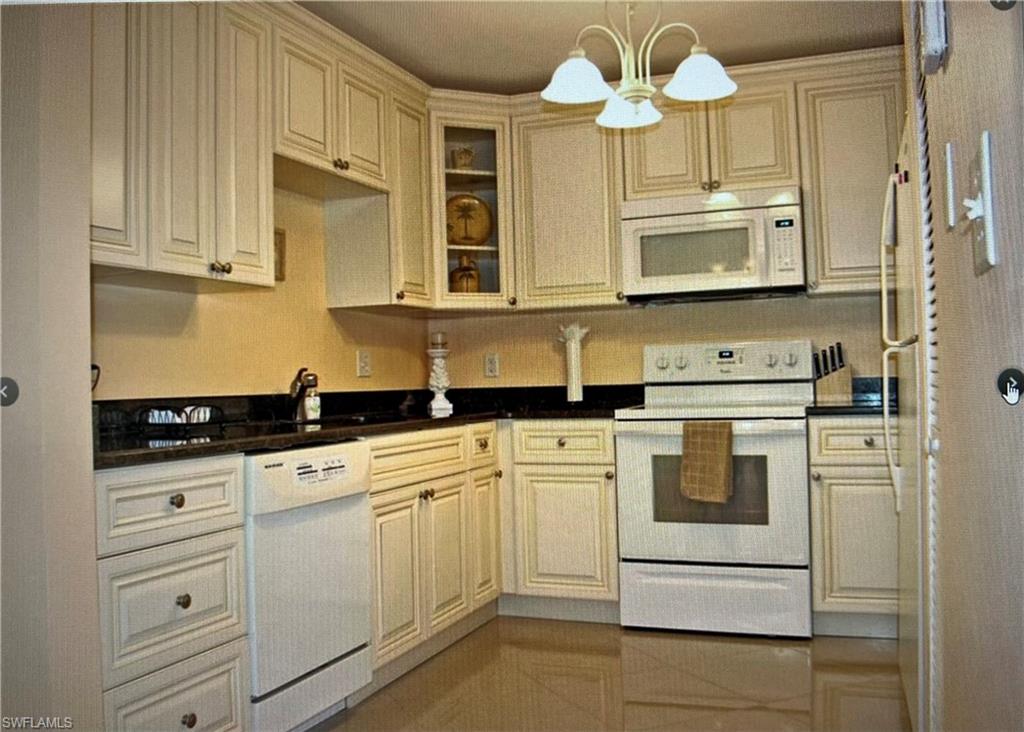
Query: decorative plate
[469, 220]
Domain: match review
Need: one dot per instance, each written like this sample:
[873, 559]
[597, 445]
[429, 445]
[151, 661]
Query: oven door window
[726, 251]
[748, 504]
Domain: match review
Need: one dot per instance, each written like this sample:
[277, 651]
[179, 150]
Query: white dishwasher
[307, 537]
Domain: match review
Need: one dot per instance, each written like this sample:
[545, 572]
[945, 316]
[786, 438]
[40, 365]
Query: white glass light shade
[699, 78]
[577, 81]
[620, 114]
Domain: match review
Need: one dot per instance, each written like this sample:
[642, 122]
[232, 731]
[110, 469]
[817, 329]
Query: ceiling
[512, 47]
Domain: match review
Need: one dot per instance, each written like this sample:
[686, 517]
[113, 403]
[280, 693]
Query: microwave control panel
[786, 246]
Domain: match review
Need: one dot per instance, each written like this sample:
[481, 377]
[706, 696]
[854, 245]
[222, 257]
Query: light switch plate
[983, 228]
[492, 366]
[364, 367]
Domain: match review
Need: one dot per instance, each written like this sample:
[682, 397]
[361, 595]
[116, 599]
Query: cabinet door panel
[670, 158]
[410, 200]
[447, 577]
[566, 534]
[304, 103]
[754, 138]
[361, 126]
[854, 527]
[486, 540]
[180, 46]
[118, 111]
[566, 208]
[244, 159]
[849, 130]
[397, 622]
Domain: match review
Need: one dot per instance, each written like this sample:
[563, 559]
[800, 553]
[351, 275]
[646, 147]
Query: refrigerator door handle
[894, 470]
[887, 239]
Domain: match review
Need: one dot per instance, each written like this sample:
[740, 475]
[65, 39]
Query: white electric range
[735, 567]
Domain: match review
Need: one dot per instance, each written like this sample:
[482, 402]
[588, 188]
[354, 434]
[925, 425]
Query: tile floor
[520, 674]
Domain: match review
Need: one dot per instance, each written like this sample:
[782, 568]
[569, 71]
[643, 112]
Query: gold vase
[465, 277]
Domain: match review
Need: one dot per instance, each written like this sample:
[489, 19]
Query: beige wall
[530, 355]
[153, 343]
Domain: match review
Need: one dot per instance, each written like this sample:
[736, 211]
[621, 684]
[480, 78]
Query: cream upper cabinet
[362, 126]
[485, 542]
[180, 46]
[849, 135]
[412, 271]
[118, 124]
[245, 178]
[304, 108]
[566, 208]
[566, 531]
[753, 137]
[746, 141]
[670, 158]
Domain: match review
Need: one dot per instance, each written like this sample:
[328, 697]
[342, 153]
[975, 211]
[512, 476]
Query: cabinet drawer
[143, 506]
[158, 606]
[564, 441]
[849, 441]
[483, 444]
[397, 460]
[213, 686]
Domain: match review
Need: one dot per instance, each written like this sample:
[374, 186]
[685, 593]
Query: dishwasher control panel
[306, 472]
[275, 481]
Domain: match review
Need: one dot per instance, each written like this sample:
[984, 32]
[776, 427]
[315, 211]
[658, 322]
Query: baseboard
[431, 647]
[855, 625]
[555, 608]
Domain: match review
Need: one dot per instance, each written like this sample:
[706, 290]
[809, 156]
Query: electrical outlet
[492, 366]
[364, 368]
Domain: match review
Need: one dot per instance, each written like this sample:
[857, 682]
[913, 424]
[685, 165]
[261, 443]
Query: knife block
[835, 389]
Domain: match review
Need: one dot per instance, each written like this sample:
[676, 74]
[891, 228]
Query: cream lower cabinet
[566, 211]
[565, 509]
[854, 530]
[436, 542]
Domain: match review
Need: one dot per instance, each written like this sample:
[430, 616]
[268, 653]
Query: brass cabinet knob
[216, 267]
[815, 475]
[178, 500]
[620, 295]
[561, 442]
[609, 475]
[183, 601]
[226, 268]
[400, 295]
[705, 186]
[337, 164]
[499, 473]
[869, 441]
[431, 493]
[716, 184]
[423, 495]
[513, 300]
[482, 443]
[189, 720]
[345, 165]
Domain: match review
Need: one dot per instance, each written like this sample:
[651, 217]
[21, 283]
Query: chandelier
[699, 78]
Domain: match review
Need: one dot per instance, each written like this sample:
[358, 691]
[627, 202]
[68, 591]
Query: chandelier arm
[649, 43]
[646, 39]
[613, 25]
[611, 34]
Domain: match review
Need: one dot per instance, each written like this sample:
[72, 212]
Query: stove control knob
[771, 360]
[682, 362]
[792, 359]
[662, 362]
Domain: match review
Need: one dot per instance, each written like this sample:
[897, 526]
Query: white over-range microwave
[741, 242]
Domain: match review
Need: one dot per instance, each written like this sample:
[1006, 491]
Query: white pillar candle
[437, 339]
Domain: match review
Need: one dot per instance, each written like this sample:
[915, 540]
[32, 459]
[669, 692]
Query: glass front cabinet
[472, 216]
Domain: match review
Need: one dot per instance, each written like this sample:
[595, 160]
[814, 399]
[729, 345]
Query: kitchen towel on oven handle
[706, 472]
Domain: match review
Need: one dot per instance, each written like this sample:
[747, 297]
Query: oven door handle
[739, 427]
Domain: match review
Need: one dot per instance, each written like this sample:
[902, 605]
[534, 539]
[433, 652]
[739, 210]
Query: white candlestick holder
[439, 382]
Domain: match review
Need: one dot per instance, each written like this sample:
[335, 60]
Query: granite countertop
[252, 424]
